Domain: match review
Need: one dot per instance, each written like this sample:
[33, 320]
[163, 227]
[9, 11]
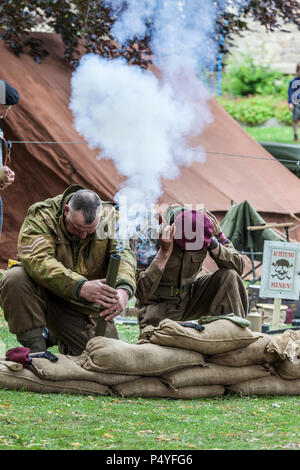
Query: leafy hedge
[257, 109]
[244, 77]
[254, 93]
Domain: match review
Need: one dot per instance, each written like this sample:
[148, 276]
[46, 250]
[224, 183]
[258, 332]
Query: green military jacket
[181, 270]
[59, 263]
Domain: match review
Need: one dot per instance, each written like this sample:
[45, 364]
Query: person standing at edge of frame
[294, 100]
[9, 96]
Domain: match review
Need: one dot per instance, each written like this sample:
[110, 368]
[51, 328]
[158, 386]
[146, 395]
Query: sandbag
[272, 385]
[286, 345]
[255, 353]
[143, 387]
[218, 337]
[288, 370]
[212, 374]
[69, 368]
[148, 387]
[26, 379]
[113, 356]
[198, 391]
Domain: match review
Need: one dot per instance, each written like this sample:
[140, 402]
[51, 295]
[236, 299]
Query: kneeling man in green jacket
[58, 284]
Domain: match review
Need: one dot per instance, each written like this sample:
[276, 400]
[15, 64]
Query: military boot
[33, 339]
[51, 340]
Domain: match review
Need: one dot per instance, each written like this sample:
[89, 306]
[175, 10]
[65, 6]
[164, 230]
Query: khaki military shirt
[181, 270]
[55, 261]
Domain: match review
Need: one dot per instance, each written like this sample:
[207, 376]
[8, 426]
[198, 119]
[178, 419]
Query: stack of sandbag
[170, 360]
[149, 361]
[207, 379]
[242, 361]
[173, 360]
[43, 376]
[106, 363]
[281, 352]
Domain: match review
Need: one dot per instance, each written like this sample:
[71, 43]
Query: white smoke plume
[137, 120]
[180, 28]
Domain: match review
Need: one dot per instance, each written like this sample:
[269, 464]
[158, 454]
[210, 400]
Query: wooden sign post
[276, 314]
[280, 278]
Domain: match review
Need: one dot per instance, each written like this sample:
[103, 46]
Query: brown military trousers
[29, 306]
[219, 293]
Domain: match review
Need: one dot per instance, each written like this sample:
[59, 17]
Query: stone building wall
[280, 50]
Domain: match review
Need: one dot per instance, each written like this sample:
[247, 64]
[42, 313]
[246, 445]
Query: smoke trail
[185, 30]
[136, 120]
[139, 121]
[179, 28]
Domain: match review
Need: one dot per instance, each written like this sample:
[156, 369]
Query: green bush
[283, 114]
[244, 77]
[257, 109]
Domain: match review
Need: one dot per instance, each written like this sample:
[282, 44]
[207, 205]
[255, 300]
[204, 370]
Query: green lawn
[282, 134]
[72, 422]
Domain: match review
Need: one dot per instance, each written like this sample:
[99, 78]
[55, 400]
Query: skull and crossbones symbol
[281, 269]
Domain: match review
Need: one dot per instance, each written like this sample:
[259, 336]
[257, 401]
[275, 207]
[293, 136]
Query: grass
[35, 421]
[65, 422]
[282, 134]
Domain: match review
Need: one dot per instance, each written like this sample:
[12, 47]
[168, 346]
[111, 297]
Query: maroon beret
[20, 355]
[193, 230]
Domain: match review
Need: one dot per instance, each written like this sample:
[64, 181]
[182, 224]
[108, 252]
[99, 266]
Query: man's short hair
[298, 67]
[86, 201]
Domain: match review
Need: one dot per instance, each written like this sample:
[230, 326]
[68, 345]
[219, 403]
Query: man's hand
[166, 236]
[291, 106]
[215, 224]
[166, 243]
[7, 177]
[111, 312]
[97, 291]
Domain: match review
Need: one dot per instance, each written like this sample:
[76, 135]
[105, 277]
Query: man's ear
[66, 209]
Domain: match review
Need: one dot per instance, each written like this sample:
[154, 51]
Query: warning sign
[280, 274]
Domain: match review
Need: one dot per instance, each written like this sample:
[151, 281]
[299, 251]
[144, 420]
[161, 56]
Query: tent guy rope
[255, 157]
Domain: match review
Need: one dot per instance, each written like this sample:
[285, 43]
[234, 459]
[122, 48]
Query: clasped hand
[112, 300]
[7, 177]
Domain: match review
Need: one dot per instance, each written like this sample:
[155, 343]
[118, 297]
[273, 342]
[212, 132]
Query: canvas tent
[288, 154]
[44, 170]
[243, 226]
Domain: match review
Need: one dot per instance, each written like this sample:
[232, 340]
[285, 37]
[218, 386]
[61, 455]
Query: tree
[85, 26]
